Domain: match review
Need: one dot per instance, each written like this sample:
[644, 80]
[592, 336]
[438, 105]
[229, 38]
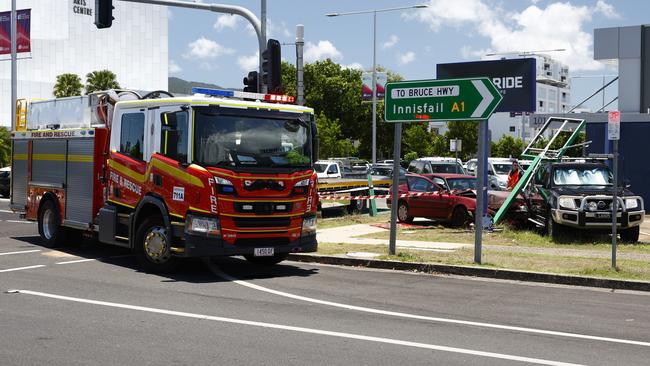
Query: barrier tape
[380, 196]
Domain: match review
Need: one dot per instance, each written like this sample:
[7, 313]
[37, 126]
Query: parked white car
[327, 169]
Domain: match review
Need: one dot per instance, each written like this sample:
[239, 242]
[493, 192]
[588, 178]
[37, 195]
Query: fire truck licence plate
[263, 252]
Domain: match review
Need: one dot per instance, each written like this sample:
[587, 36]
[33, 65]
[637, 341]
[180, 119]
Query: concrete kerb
[505, 274]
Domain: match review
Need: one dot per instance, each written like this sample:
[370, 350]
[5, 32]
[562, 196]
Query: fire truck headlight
[200, 225]
[303, 183]
[309, 225]
[222, 181]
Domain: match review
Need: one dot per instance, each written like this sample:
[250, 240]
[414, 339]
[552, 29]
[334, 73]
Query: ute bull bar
[583, 217]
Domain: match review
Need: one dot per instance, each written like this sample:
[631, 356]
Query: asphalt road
[89, 304]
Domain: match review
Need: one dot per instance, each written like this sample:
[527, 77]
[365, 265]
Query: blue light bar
[214, 92]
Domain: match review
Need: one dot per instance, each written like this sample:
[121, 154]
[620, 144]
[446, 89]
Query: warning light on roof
[270, 98]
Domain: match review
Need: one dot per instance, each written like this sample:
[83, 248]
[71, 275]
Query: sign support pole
[481, 191]
[614, 203]
[14, 72]
[395, 188]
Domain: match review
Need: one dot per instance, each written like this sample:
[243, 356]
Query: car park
[436, 165]
[425, 198]
[498, 170]
[5, 181]
[578, 196]
[384, 170]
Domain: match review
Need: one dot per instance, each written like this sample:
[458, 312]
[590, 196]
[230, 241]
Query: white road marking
[21, 268]
[20, 221]
[227, 277]
[77, 261]
[6, 211]
[299, 329]
[22, 252]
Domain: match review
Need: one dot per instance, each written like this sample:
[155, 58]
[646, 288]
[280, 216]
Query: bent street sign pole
[440, 100]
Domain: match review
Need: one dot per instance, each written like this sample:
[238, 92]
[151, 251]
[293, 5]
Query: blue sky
[218, 48]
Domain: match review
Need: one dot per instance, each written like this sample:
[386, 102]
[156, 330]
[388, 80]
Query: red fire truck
[218, 173]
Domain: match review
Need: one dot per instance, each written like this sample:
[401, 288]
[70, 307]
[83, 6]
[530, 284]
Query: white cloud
[226, 21]
[321, 51]
[392, 41]
[558, 25]
[354, 66]
[173, 67]
[407, 58]
[204, 48]
[273, 30]
[248, 63]
[607, 10]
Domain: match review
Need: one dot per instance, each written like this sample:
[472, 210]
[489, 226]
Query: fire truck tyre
[266, 261]
[630, 235]
[403, 214]
[460, 217]
[554, 230]
[153, 246]
[49, 225]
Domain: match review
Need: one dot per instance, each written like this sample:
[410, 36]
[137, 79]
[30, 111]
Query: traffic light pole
[218, 8]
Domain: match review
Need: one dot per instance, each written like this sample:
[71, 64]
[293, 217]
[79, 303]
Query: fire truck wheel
[266, 261]
[49, 225]
[153, 246]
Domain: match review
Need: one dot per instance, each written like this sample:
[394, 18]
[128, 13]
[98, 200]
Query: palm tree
[101, 80]
[67, 85]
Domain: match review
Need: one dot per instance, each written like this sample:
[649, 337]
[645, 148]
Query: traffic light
[251, 82]
[272, 67]
[104, 13]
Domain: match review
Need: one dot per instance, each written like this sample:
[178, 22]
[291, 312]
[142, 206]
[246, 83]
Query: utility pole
[300, 84]
[14, 73]
[264, 87]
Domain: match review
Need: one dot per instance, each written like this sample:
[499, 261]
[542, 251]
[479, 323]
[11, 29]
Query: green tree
[467, 131]
[410, 156]
[67, 85]
[416, 138]
[507, 147]
[5, 147]
[101, 80]
[331, 141]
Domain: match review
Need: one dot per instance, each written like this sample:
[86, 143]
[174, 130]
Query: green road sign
[440, 100]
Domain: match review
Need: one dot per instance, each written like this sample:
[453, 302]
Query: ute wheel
[266, 261]
[49, 225]
[152, 246]
[460, 217]
[403, 214]
[630, 235]
[554, 230]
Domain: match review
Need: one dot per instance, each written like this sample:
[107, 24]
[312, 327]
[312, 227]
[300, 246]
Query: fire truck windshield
[249, 138]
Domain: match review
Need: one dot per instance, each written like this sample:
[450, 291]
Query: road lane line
[228, 277]
[299, 329]
[20, 221]
[22, 252]
[6, 211]
[77, 261]
[21, 268]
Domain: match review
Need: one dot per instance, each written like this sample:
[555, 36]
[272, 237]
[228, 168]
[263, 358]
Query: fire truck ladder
[549, 152]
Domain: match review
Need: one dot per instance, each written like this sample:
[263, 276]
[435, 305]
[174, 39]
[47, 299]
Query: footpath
[351, 235]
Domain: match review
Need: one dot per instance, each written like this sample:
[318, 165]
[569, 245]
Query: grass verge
[557, 264]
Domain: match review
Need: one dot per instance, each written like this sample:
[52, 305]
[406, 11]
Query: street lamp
[374, 64]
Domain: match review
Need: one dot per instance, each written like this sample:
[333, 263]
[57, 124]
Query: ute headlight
[303, 183]
[567, 202]
[592, 206]
[309, 225]
[200, 225]
[631, 203]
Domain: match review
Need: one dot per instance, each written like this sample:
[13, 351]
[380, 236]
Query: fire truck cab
[218, 173]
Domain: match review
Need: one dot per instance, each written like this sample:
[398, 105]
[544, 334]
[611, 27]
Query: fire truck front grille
[261, 242]
[262, 221]
[263, 208]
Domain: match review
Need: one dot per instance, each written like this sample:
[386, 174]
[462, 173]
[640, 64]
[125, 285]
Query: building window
[541, 103]
[512, 128]
[132, 135]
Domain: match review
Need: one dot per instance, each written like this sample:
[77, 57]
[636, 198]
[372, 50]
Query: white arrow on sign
[487, 98]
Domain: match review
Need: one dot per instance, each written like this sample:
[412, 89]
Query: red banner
[23, 43]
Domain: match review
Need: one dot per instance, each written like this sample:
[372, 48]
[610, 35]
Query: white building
[553, 96]
[65, 40]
